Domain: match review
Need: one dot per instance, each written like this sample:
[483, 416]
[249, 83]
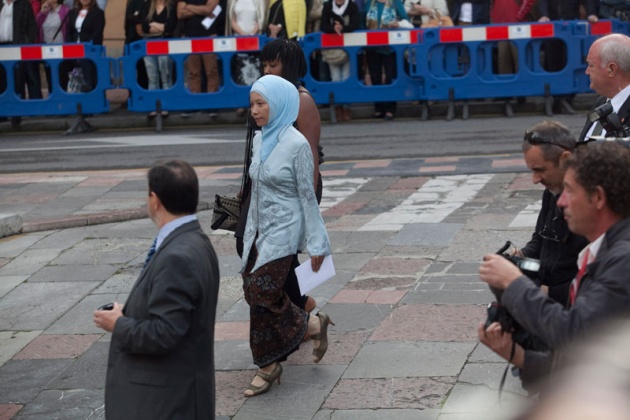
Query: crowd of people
[58, 21]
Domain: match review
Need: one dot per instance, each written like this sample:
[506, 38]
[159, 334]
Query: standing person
[52, 21]
[282, 218]
[286, 19]
[18, 27]
[245, 17]
[161, 357]
[86, 23]
[554, 50]
[383, 14]
[596, 204]
[608, 68]
[133, 33]
[201, 19]
[285, 58]
[509, 11]
[339, 16]
[159, 21]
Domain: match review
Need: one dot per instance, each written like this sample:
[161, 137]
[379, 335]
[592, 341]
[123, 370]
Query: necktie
[150, 253]
[575, 285]
[597, 130]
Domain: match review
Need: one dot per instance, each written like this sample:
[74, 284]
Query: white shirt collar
[620, 98]
[168, 228]
[593, 249]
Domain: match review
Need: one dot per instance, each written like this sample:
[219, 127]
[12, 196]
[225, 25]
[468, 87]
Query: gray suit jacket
[161, 357]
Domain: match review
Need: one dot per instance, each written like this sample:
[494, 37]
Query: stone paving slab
[308, 385]
[11, 342]
[35, 306]
[63, 273]
[46, 346]
[398, 414]
[72, 404]
[405, 359]
[23, 380]
[87, 371]
[424, 323]
[78, 319]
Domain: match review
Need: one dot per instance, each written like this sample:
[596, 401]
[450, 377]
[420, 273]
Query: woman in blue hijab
[283, 218]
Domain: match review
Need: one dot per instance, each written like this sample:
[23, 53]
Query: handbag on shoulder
[225, 213]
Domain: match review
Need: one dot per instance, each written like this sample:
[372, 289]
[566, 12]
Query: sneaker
[213, 114]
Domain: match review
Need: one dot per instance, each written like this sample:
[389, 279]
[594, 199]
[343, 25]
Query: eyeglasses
[535, 139]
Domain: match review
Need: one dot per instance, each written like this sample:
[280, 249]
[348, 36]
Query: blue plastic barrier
[58, 101]
[405, 87]
[178, 97]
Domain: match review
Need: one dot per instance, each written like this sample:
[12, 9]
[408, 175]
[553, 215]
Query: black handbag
[225, 213]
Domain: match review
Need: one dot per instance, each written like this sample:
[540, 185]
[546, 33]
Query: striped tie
[150, 253]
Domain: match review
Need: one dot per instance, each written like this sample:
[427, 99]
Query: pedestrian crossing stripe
[431, 203]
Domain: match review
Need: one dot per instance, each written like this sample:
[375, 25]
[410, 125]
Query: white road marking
[432, 203]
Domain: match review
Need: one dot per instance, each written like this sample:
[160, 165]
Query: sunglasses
[535, 139]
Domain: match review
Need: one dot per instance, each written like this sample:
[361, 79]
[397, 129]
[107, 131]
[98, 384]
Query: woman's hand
[316, 262]
[274, 30]
[393, 25]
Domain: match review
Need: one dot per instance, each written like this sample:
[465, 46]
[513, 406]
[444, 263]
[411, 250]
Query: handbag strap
[247, 160]
[61, 25]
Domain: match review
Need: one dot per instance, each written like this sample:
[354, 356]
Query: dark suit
[161, 357]
[624, 115]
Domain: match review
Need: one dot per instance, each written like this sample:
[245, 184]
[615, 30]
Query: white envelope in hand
[308, 280]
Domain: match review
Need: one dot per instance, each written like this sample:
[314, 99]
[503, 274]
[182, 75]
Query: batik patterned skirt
[277, 326]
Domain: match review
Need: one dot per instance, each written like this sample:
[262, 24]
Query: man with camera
[545, 148]
[596, 204]
[609, 71]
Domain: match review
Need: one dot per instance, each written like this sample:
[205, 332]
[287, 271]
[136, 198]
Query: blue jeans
[159, 70]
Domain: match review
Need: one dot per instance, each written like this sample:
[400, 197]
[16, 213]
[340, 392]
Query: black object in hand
[106, 307]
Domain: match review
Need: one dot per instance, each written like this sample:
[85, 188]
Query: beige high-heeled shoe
[322, 336]
[269, 378]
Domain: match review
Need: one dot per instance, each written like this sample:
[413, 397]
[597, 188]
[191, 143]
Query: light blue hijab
[284, 103]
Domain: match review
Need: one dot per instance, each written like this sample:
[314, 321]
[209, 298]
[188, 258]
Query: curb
[10, 224]
[84, 220]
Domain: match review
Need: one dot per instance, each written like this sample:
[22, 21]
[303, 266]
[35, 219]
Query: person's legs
[151, 64]
[164, 65]
[389, 65]
[193, 64]
[211, 67]
[335, 72]
[375, 68]
[33, 80]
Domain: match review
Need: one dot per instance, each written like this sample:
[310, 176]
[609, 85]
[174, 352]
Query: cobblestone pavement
[407, 238]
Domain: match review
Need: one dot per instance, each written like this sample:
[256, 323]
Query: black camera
[497, 312]
[528, 266]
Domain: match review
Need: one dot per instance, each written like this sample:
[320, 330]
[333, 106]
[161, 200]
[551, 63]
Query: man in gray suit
[161, 357]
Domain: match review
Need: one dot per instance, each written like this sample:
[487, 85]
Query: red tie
[575, 285]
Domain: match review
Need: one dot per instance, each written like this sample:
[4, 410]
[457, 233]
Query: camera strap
[503, 378]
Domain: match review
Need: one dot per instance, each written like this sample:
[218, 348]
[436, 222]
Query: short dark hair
[604, 164]
[553, 139]
[290, 54]
[176, 184]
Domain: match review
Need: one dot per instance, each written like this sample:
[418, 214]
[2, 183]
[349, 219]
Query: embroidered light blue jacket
[283, 207]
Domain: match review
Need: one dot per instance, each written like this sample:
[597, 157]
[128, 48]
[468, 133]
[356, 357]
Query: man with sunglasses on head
[608, 67]
[546, 146]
